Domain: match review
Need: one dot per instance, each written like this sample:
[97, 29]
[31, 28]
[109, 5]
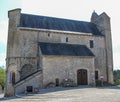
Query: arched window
[13, 78]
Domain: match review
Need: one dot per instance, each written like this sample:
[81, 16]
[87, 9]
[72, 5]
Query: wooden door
[82, 77]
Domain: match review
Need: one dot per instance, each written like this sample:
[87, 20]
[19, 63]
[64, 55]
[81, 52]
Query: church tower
[11, 67]
[102, 22]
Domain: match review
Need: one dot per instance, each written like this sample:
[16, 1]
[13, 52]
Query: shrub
[2, 77]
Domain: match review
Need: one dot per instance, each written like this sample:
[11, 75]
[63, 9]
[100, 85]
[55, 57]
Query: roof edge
[58, 31]
[43, 45]
[66, 56]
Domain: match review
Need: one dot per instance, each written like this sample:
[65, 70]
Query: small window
[96, 75]
[48, 34]
[67, 39]
[91, 44]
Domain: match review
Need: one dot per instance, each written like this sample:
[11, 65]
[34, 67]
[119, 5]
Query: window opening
[91, 44]
[67, 39]
[96, 75]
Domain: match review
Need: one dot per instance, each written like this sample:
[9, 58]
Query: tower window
[91, 44]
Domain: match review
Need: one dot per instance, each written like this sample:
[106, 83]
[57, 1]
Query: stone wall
[35, 81]
[103, 24]
[15, 64]
[28, 44]
[62, 67]
[23, 49]
[73, 38]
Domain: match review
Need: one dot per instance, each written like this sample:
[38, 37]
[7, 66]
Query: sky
[70, 9]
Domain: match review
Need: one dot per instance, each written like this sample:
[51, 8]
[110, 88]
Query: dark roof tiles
[62, 49]
[52, 23]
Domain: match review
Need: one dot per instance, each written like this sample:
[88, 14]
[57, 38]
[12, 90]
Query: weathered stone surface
[66, 67]
[23, 49]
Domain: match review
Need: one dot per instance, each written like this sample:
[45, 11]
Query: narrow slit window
[13, 78]
[96, 75]
[91, 44]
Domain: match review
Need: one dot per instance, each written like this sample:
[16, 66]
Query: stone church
[43, 50]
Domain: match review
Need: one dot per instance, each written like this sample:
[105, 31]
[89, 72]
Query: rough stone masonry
[43, 50]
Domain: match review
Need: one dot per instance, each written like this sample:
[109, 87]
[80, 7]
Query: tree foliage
[2, 77]
[116, 74]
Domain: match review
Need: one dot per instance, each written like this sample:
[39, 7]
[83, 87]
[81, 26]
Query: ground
[74, 94]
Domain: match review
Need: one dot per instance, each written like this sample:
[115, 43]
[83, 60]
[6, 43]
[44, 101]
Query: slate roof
[52, 23]
[62, 49]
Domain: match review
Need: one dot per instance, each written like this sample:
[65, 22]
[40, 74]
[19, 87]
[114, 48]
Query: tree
[117, 77]
[2, 77]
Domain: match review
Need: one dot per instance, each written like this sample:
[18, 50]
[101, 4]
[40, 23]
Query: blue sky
[5, 5]
[70, 9]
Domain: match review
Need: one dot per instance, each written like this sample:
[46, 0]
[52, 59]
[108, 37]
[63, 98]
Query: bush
[117, 77]
[2, 77]
[117, 82]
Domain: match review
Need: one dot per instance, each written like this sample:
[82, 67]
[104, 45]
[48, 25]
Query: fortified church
[43, 50]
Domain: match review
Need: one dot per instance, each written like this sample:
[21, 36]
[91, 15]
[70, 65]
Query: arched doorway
[82, 77]
[13, 78]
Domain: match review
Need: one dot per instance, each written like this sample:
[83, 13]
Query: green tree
[2, 77]
[117, 77]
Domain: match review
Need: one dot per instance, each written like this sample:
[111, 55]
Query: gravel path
[76, 94]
